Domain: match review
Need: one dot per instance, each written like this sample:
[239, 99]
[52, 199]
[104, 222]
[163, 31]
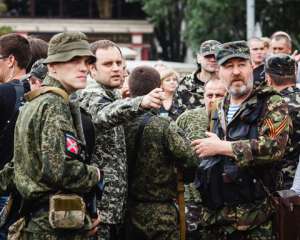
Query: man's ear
[11, 61]
[199, 58]
[268, 79]
[93, 69]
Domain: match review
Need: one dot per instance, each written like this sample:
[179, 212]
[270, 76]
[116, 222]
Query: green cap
[209, 47]
[280, 64]
[67, 45]
[237, 49]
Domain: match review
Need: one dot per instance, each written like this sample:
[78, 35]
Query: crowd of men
[82, 160]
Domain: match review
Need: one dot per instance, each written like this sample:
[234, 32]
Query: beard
[242, 90]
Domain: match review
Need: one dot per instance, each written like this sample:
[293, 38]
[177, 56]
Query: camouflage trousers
[248, 221]
[262, 232]
[39, 236]
[157, 221]
[110, 232]
[39, 229]
[18, 231]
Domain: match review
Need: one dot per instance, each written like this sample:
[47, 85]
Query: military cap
[67, 45]
[237, 49]
[39, 69]
[280, 64]
[208, 47]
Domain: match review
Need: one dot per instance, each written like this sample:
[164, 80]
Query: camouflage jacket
[292, 96]
[108, 113]
[48, 140]
[273, 130]
[194, 123]
[190, 93]
[153, 157]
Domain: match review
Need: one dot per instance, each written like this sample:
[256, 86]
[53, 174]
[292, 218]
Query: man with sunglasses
[249, 132]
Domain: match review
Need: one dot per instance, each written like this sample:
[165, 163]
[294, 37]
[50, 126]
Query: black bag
[287, 217]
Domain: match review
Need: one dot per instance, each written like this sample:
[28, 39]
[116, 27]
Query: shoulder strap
[35, 93]
[19, 88]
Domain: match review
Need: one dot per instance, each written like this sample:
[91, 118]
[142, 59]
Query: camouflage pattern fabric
[108, 112]
[7, 177]
[153, 221]
[291, 96]
[250, 221]
[189, 94]
[208, 47]
[104, 232]
[41, 157]
[273, 130]
[194, 124]
[153, 187]
[230, 50]
[280, 64]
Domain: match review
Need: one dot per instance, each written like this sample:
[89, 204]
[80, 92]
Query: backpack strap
[58, 91]
[19, 88]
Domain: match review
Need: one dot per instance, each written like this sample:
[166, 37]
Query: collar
[288, 90]
[52, 82]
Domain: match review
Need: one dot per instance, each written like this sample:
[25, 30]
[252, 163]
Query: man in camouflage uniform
[236, 173]
[191, 88]
[154, 148]
[281, 74]
[257, 55]
[194, 122]
[48, 142]
[103, 102]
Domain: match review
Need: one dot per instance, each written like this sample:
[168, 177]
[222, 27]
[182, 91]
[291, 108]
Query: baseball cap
[237, 49]
[208, 47]
[39, 69]
[280, 64]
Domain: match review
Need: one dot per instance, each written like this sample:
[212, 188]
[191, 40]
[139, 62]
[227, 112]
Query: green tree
[5, 30]
[167, 17]
[223, 20]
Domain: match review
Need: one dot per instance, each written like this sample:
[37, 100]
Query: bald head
[214, 89]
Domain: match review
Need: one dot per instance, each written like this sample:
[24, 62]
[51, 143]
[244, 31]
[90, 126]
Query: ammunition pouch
[66, 211]
[222, 183]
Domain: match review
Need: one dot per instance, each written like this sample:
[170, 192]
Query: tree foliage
[223, 20]
[167, 17]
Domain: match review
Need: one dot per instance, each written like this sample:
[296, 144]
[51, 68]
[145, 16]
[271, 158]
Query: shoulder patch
[72, 146]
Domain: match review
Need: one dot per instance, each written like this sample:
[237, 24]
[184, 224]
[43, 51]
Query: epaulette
[35, 93]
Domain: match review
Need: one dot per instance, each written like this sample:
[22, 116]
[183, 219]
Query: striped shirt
[231, 111]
